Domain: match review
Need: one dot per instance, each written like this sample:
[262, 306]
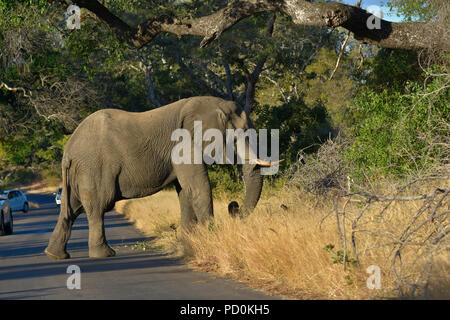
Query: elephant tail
[66, 208]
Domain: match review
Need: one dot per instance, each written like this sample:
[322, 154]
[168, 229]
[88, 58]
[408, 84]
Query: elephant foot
[101, 251]
[56, 254]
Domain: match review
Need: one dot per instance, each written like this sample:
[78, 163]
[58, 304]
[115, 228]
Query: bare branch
[408, 35]
[383, 198]
[341, 52]
[344, 44]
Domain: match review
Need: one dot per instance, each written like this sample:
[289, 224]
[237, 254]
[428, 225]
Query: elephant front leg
[194, 192]
[98, 247]
[188, 217]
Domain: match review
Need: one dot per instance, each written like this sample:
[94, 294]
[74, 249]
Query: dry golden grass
[282, 251]
[34, 205]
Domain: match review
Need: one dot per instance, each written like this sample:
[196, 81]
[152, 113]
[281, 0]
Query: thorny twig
[415, 234]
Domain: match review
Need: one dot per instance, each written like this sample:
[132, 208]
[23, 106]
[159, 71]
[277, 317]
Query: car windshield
[3, 196]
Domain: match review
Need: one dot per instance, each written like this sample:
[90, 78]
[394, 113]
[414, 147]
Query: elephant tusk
[267, 164]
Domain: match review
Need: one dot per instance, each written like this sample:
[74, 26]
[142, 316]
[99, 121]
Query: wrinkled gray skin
[115, 155]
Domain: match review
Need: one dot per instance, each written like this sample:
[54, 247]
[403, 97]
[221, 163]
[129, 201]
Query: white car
[58, 197]
[17, 200]
[6, 218]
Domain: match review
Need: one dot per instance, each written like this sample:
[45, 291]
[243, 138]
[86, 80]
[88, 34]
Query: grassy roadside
[290, 245]
[291, 250]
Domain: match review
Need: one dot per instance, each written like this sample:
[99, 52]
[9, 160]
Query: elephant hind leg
[98, 246]
[69, 211]
[95, 204]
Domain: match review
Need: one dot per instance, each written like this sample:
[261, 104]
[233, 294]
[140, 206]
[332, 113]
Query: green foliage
[42, 145]
[338, 256]
[35, 56]
[413, 10]
[334, 94]
[392, 69]
[394, 131]
[6, 5]
[114, 71]
[301, 126]
[382, 104]
[146, 245]
[225, 180]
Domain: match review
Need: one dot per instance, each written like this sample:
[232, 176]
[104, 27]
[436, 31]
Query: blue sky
[387, 14]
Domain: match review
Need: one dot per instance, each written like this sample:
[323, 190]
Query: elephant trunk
[253, 181]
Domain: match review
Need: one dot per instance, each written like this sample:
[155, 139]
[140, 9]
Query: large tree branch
[407, 35]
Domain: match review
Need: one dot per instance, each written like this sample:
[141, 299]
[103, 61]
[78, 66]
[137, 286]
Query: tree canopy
[302, 12]
[293, 65]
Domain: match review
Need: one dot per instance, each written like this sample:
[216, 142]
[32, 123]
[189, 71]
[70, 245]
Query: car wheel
[9, 227]
[2, 225]
[25, 207]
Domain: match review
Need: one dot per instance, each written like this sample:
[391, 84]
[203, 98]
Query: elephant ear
[222, 119]
[244, 115]
[187, 117]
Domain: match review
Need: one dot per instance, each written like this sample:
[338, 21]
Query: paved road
[27, 273]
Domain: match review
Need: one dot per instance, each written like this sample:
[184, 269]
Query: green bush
[396, 133]
[301, 126]
[225, 180]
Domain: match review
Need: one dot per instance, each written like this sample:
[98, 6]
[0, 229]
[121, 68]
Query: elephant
[115, 154]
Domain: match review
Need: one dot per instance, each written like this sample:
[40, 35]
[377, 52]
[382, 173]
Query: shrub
[301, 126]
[398, 134]
[225, 180]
